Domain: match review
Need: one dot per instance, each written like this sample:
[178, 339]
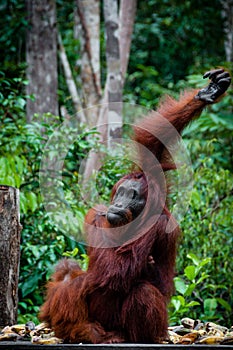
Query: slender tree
[114, 84]
[41, 56]
[88, 15]
[126, 23]
[118, 31]
[227, 14]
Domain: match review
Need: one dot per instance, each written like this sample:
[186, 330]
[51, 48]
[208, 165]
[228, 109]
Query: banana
[210, 340]
[53, 340]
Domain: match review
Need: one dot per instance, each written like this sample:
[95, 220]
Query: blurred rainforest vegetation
[173, 44]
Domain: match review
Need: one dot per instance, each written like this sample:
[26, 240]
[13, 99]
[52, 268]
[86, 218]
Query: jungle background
[173, 44]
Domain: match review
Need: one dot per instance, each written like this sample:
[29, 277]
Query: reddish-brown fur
[123, 295]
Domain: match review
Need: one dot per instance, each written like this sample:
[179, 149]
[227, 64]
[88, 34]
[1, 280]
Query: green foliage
[147, 91]
[12, 27]
[174, 37]
[82, 259]
[212, 135]
[207, 225]
[186, 286]
[37, 260]
[189, 298]
[207, 231]
[22, 148]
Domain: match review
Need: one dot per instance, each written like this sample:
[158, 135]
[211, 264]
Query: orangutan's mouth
[116, 218]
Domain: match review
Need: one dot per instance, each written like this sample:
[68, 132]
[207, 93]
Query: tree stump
[9, 254]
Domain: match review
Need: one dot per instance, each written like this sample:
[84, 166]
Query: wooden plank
[30, 346]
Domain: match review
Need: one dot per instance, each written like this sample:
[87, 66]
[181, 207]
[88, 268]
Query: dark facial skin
[127, 203]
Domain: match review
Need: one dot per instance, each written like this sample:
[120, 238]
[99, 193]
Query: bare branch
[70, 80]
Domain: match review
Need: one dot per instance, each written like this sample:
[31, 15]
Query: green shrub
[43, 242]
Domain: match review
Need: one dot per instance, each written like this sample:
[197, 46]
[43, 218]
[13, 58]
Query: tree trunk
[114, 76]
[117, 53]
[227, 14]
[41, 56]
[89, 16]
[9, 252]
[127, 18]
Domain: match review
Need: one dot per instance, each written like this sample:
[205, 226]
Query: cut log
[9, 254]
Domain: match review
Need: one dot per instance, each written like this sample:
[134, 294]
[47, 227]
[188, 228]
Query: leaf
[176, 303]
[202, 278]
[180, 285]
[32, 200]
[224, 303]
[8, 181]
[3, 167]
[17, 180]
[196, 198]
[72, 253]
[210, 305]
[30, 284]
[19, 164]
[20, 102]
[35, 251]
[205, 261]
[23, 203]
[190, 272]
[190, 289]
[11, 162]
[194, 258]
[23, 305]
[193, 303]
[83, 144]
[181, 299]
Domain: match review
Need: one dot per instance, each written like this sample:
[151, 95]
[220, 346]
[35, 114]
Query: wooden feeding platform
[29, 346]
